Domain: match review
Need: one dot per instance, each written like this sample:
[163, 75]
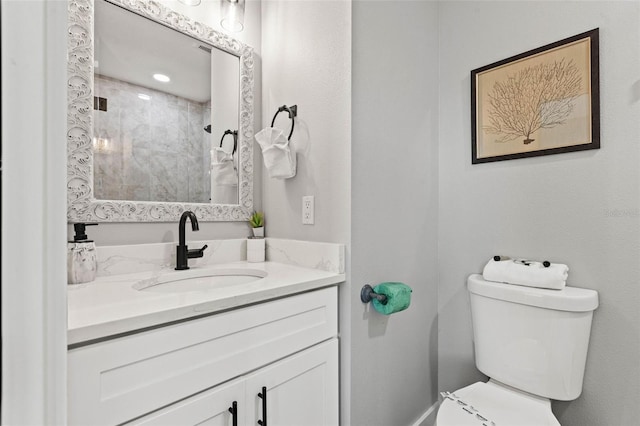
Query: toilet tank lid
[570, 299]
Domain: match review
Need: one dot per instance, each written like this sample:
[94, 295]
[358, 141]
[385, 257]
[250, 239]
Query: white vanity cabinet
[191, 372]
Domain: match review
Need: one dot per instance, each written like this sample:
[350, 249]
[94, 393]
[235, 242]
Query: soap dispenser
[82, 261]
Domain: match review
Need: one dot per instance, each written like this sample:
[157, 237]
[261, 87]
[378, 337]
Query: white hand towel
[527, 273]
[223, 171]
[279, 159]
[219, 155]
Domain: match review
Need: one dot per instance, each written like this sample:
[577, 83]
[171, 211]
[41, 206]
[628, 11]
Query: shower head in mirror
[207, 128]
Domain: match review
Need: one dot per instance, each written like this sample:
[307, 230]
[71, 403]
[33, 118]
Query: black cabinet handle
[234, 413]
[263, 395]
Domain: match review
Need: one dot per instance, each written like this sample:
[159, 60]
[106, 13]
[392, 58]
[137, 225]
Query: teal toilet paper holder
[367, 295]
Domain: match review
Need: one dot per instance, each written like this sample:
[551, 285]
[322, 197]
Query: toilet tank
[533, 339]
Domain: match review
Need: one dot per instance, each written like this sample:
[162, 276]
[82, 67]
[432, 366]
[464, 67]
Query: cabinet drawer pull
[263, 395]
[234, 413]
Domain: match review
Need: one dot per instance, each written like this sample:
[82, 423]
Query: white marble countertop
[110, 305]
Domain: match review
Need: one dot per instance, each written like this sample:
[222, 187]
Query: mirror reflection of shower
[149, 144]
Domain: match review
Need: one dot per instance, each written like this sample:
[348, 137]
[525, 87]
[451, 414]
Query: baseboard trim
[430, 412]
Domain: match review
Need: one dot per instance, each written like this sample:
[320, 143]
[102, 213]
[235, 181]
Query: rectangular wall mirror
[160, 116]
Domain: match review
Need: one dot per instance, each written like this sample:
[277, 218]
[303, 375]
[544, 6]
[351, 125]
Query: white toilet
[532, 343]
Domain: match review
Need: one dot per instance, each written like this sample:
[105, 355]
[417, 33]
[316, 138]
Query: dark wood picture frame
[549, 96]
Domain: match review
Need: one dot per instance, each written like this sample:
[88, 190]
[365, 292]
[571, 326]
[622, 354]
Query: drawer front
[118, 380]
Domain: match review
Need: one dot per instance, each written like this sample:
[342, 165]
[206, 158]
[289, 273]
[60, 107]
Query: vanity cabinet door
[301, 390]
[210, 408]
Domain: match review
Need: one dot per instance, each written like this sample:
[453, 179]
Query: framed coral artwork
[544, 101]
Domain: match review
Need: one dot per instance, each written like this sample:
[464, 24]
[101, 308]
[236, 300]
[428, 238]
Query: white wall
[208, 12]
[34, 340]
[578, 208]
[394, 208]
[306, 48]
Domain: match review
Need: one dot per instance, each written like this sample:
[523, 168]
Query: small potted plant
[257, 224]
[256, 246]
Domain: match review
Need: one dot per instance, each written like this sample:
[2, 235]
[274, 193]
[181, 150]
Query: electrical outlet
[307, 210]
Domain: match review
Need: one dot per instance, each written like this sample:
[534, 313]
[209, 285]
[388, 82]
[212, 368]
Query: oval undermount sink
[199, 280]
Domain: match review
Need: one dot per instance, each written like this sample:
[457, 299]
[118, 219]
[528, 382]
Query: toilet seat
[494, 402]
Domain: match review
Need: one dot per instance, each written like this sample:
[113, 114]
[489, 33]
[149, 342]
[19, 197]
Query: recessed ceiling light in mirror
[162, 78]
[190, 2]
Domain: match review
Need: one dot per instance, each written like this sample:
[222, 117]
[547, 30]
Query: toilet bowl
[494, 404]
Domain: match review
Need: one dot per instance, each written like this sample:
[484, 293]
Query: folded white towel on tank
[527, 272]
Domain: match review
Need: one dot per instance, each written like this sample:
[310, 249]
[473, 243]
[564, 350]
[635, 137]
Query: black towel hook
[235, 139]
[293, 112]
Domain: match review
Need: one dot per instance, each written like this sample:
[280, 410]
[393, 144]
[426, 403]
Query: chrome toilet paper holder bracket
[367, 295]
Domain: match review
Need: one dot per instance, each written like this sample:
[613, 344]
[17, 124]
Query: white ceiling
[132, 48]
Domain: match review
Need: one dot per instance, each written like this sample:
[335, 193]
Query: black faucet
[183, 254]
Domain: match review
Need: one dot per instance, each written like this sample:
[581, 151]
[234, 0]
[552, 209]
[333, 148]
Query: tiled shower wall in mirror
[150, 145]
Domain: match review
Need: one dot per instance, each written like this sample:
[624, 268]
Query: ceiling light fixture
[190, 2]
[232, 12]
[162, 78]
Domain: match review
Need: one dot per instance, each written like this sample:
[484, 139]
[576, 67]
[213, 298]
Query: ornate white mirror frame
[81, 203]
